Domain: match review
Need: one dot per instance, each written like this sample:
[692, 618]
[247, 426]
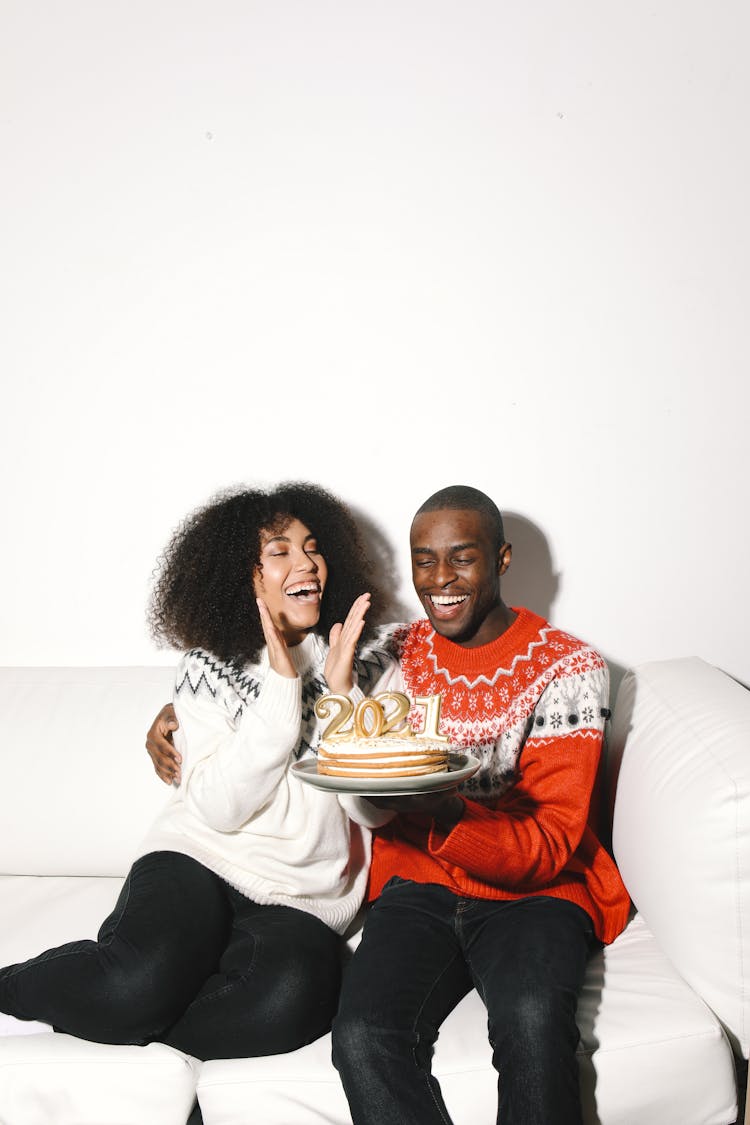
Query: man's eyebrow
[469, 546]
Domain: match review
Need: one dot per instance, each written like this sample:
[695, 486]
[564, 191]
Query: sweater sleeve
[231, 770]
[531, 833]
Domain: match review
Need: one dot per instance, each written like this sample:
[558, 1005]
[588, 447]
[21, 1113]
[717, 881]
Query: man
[504, 885]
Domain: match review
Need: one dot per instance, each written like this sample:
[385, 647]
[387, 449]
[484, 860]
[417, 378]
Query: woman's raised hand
[343, 643]
[278, 653]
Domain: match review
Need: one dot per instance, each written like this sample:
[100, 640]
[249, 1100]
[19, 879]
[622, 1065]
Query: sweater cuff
[280, 700]
[460, 846]
[362, 812]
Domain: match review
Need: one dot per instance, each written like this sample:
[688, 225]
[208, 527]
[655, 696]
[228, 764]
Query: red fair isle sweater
[532, 707]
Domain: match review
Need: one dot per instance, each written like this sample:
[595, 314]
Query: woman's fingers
[342, 641]
[347, 635]
[355, 618]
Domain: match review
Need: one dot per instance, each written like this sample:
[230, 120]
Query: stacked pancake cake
[400, 753]
[385, 756]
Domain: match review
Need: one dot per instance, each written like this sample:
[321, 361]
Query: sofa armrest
[681, 826]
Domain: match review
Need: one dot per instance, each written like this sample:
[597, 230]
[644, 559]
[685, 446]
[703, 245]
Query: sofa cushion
[648, 1042]
[50, 1078]
[681, 830]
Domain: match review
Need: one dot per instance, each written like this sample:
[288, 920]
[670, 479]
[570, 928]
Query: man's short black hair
[462, 497]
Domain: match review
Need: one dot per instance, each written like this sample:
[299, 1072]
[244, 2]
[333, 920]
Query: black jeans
[186, 960]
[422, 950]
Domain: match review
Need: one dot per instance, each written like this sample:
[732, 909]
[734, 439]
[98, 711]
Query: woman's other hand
[278, 653]
[159, 744]
[343, 643]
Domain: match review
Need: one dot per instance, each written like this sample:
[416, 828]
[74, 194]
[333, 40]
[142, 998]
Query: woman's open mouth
[308, 592]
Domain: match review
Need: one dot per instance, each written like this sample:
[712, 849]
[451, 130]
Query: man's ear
[503, 558]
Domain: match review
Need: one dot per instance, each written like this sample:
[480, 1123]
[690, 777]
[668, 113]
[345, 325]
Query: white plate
[460, 766]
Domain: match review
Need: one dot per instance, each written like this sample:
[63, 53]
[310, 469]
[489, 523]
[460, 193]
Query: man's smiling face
[456, 569]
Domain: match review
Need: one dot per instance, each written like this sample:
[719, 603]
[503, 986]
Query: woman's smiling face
[291, 578]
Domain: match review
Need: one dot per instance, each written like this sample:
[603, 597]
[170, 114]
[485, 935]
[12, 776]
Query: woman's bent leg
[276, 987]
[162, 940]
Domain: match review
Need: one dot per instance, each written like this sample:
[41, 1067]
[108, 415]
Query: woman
[226, 938]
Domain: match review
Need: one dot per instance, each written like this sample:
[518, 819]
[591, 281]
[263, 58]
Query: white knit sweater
[240, 810]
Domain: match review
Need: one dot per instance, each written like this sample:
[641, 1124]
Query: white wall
[388, 247]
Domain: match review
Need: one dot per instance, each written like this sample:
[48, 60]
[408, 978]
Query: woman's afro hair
[203, 594]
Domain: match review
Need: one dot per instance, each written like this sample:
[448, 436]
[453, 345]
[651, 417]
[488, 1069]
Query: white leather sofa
[665, 1011]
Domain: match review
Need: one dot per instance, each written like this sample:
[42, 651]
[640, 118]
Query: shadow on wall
[383, 558]
[531, 581]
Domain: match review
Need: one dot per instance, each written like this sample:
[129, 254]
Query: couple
[226, 938]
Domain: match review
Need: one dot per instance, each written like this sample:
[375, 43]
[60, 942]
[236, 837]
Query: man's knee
[535, 1019]
[352, 1039]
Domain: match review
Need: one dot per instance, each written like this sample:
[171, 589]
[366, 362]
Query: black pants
[186, 960]
[422, 950]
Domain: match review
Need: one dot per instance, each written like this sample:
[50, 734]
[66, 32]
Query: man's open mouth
[447, 599]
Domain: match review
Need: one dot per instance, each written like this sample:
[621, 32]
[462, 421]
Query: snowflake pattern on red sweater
[535, 683]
